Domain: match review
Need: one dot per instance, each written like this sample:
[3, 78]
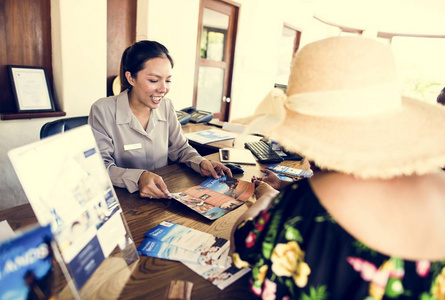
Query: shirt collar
[123, 110]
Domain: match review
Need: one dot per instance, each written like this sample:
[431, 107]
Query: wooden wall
[25, 39]
[121, 33]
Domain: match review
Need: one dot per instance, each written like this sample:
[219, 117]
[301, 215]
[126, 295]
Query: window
[290, 41]
[421, 66]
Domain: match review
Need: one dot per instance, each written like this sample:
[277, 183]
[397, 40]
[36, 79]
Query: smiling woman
[137, 131]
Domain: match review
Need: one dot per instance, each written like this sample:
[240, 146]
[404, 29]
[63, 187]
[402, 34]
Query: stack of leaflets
[209, 136]
[281, 169]
[214, 198]
[26, 265]
[202, 252]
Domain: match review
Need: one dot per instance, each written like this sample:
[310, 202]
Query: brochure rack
[68, 188]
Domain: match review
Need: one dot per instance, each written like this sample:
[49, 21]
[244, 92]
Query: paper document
[209, 136]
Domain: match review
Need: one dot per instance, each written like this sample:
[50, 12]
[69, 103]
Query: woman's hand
[214, 169]
[151, 185]
[271, 179]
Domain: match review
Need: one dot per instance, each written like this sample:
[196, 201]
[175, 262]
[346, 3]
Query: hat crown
[333, 64]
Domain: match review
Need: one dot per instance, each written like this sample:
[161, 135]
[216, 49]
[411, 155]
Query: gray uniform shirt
[128, 150]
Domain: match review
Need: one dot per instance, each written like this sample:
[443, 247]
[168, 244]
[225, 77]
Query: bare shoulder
[400, 216]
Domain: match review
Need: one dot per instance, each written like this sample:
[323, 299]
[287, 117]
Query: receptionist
[137, 131]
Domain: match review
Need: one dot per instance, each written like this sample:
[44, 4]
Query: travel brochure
[68, 188]
[26, 270]
[289, 171]
[176, 242]
[202, 252]
[213, 198]
[209, 136]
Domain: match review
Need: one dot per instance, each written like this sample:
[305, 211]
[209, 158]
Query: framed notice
[30, 89]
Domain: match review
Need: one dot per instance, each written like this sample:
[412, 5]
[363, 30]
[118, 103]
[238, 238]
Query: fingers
[162, 187]
[213, 173]
[153, 192]
[208, 168]
[221, 169]
[152, 186]
[268, 172]
[227, 171]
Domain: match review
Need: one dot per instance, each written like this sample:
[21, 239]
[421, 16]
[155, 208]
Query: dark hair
[134, 58]
[441, 97]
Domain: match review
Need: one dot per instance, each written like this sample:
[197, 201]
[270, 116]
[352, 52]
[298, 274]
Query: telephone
[183, 117]
[201, 116]
[198, 116]
[189, 109]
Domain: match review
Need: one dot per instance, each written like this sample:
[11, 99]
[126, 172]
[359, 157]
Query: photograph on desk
[26, 270]
[213, 198]
[68, 188]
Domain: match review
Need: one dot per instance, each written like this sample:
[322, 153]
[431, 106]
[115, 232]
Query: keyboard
[263, 152]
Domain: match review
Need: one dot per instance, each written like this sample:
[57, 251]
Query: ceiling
[418, 17]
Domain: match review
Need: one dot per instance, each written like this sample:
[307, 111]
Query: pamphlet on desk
[209, 136]
[26, 270]
[68, 188]
[213, 198]
[281, 169]
[176, 242]
[202, 252]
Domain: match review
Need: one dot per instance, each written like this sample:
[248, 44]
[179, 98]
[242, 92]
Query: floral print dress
[296, 250]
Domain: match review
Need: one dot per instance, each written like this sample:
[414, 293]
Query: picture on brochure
[26, 265]
[213, 198]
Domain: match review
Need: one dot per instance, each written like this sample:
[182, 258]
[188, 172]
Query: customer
[370, 225]
[137, 131]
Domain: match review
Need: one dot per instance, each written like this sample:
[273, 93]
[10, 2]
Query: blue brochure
[25, 265]
[176, 242]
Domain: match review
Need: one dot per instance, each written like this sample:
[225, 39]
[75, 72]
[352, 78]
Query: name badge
[132, 146]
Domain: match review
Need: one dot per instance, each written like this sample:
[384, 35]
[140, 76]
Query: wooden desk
[151, 276]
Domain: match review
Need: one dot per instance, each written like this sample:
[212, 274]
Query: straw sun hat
[344, 111]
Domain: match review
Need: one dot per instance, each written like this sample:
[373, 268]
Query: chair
[62, 125]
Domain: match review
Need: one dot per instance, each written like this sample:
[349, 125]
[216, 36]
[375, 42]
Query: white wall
[79, 60]
[174, 23]
[79, 53]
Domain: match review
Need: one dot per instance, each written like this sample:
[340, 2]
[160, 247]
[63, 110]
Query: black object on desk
[235, 168]
[265, 154]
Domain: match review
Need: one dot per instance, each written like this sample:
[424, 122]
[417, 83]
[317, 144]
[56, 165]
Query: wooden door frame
[228, 54]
